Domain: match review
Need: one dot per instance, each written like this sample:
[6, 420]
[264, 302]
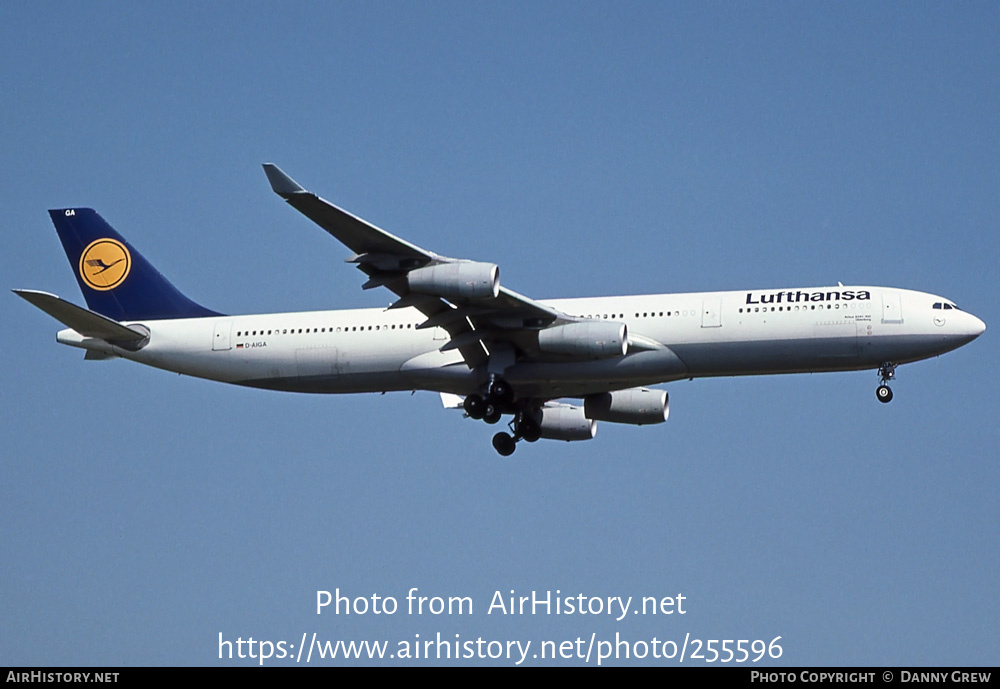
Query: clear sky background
[588, 149]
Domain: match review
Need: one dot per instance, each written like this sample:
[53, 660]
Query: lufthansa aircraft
[455, 330]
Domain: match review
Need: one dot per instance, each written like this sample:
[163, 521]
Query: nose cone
[976, 326]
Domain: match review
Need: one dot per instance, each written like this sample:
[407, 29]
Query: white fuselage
[699, 334]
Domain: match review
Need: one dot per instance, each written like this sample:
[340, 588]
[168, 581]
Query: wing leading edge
[463, 297]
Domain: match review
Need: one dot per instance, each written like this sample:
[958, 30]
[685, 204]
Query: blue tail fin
[115, 279]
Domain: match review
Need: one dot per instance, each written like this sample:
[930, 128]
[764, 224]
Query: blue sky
[588, 149]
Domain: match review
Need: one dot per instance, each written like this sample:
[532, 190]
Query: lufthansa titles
[799, 296]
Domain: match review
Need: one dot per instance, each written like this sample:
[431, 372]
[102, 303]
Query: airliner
[556, 367]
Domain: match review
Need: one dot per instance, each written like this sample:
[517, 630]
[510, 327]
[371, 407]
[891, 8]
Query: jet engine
[565, 422]
[458, 280]
[596, 339]
[637, 406]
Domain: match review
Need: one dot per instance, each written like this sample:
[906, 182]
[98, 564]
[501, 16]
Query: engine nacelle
[566, 422]
[637, 406]
[596, 339]
[458, 280]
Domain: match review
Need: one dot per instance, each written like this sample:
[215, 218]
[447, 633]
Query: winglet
[282, 185]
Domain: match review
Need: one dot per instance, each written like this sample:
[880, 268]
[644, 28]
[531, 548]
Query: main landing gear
[489, 407]
[886, 372]
[524, 427]
[498, 400]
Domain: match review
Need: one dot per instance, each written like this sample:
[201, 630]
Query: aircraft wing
[471, 319]
[361, 237]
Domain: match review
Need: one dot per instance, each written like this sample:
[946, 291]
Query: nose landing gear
[886, 372]
[883, 393]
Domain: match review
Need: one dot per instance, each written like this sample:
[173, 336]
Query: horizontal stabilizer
[87, 323]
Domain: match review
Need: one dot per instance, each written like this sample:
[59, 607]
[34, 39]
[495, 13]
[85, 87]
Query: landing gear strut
[886, 372]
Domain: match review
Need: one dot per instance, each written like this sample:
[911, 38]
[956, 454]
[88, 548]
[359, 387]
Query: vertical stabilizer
[115, 279]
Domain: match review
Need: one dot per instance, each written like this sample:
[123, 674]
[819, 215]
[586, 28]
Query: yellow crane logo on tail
[105, 264]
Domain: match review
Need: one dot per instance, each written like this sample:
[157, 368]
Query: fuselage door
[711, 313]
[892, 311]
[221, 336]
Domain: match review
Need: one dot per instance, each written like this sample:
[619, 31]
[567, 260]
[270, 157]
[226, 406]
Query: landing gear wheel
[529, 430]
[474, 406]
[504, 444]
[491, 413]
[884, 393]
[502, 391]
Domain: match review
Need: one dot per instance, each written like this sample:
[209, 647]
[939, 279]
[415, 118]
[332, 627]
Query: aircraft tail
[115, 279]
